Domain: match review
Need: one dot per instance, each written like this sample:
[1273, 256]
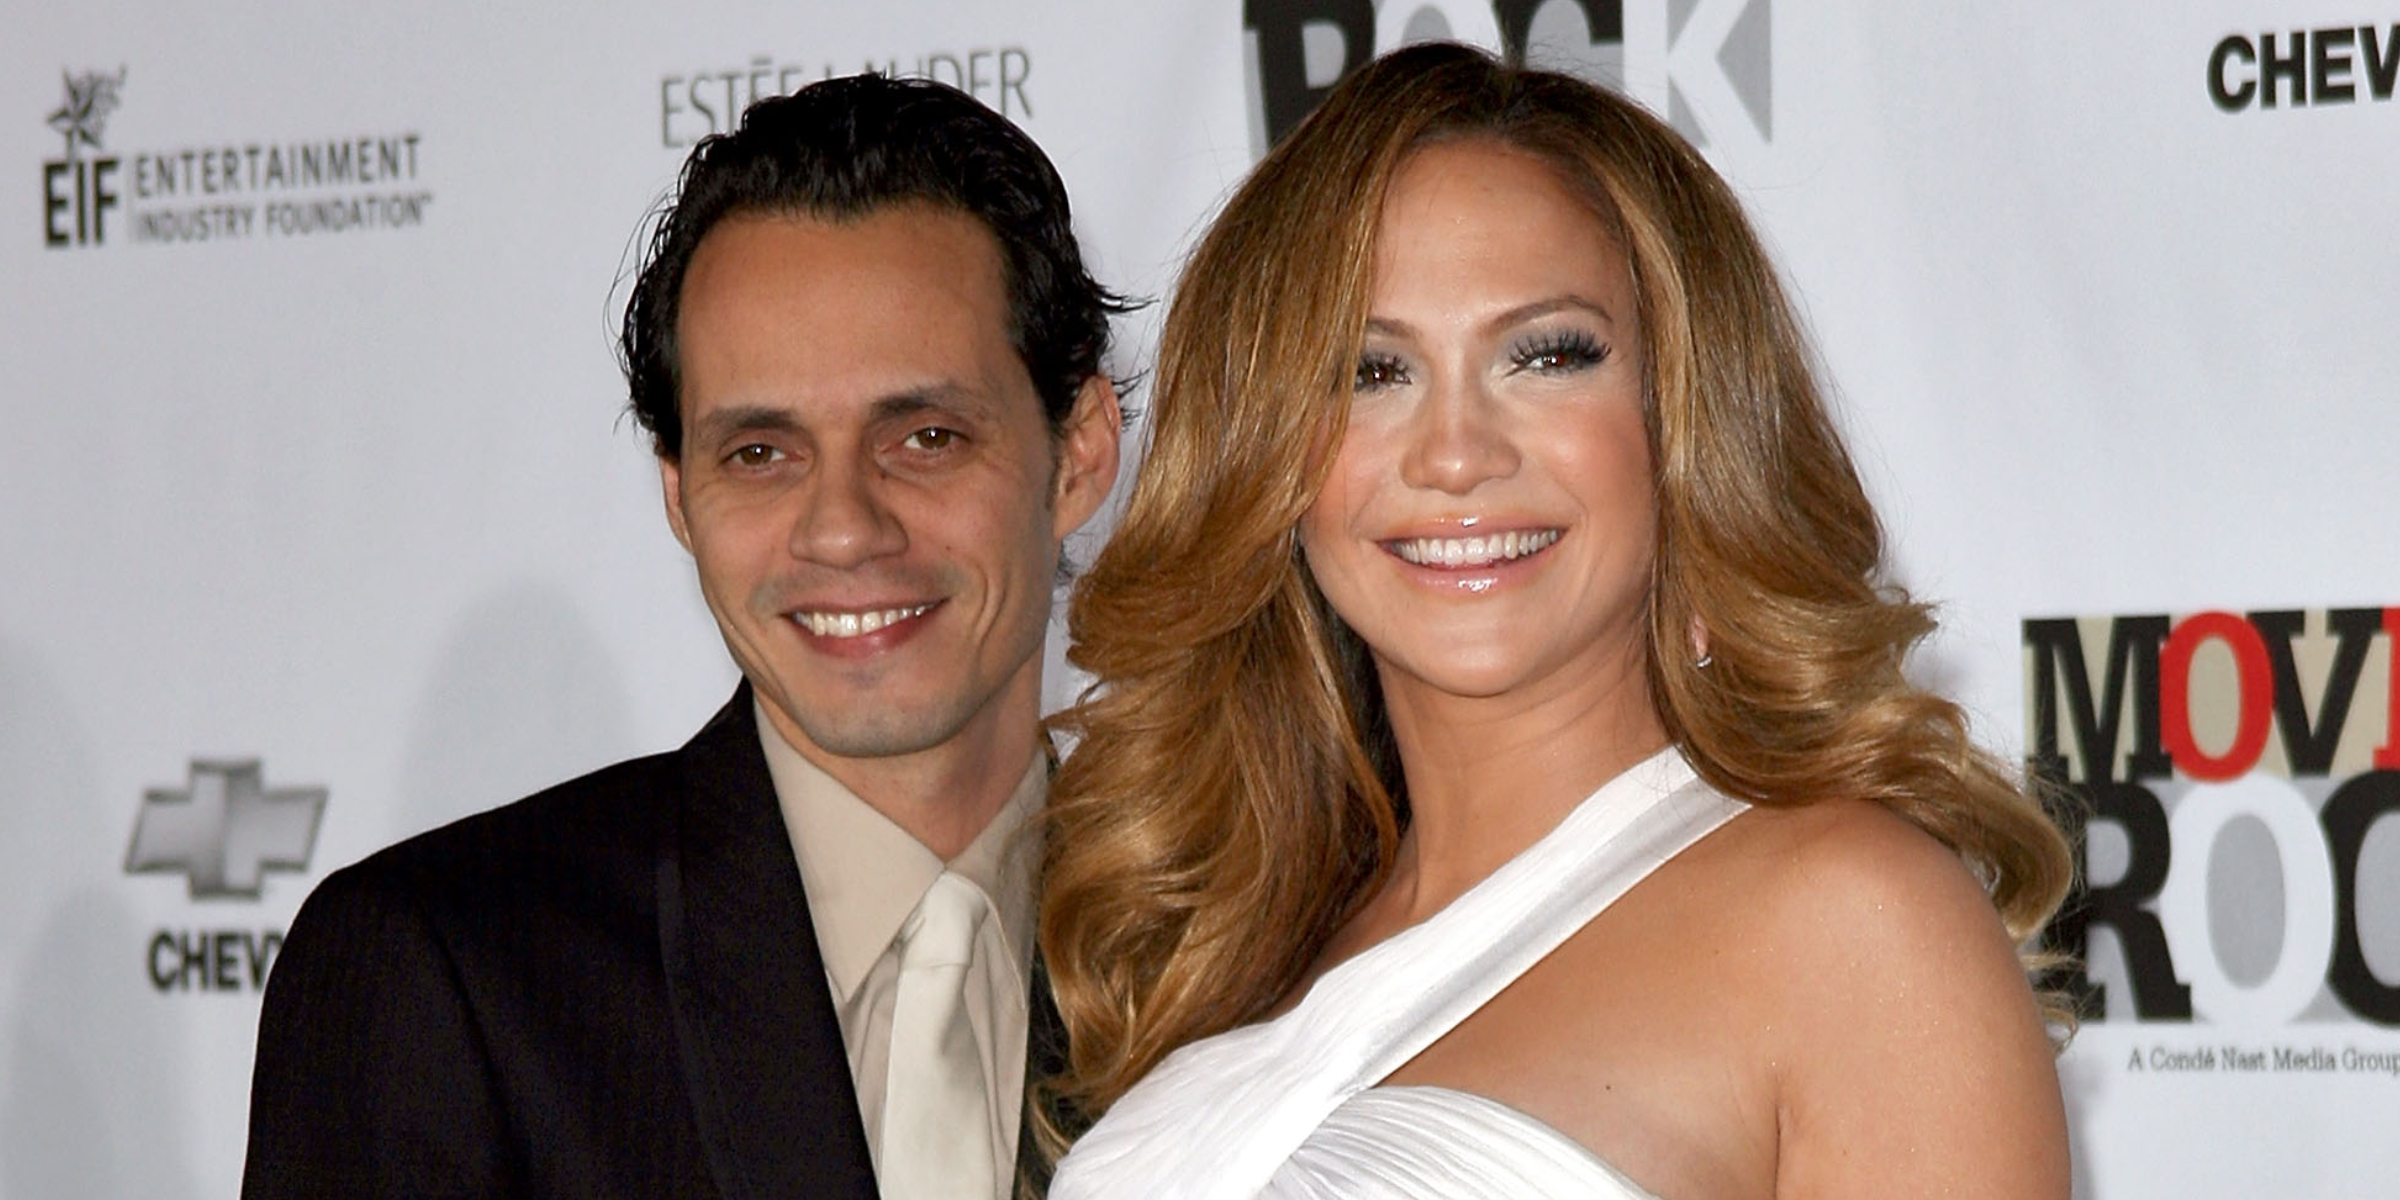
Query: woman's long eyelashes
[1559, 352]
[1378, 371]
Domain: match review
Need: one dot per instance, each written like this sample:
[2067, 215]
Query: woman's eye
[931, 438]
[1558, 353]
[1378, 371]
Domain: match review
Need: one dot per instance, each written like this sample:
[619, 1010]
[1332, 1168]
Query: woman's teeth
[1473, 551]
[852, 624]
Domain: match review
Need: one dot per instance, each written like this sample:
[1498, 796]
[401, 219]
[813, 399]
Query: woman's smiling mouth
[1468, 553]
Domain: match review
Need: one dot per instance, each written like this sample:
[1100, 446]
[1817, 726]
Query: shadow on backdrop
[93, 1103]
[523, 694]
[2085, 1081]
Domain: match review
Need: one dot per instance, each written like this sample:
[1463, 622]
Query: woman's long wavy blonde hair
[1235, 794]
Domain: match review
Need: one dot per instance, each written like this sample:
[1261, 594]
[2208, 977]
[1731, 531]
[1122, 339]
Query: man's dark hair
[844, 148]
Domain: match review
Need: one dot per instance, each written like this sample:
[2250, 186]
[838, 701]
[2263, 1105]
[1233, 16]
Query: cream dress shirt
[863, 876]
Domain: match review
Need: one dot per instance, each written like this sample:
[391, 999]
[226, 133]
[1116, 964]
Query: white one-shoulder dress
[1291, 1108]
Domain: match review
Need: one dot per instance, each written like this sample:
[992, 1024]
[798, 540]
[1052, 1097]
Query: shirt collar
[864, 875]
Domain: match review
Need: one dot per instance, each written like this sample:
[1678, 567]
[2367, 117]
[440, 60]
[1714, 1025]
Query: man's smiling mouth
[836, 624]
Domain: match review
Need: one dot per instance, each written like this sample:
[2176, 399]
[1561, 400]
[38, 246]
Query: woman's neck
[1489, 775]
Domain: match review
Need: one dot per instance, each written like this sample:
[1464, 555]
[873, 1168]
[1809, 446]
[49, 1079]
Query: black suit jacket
[611, 988]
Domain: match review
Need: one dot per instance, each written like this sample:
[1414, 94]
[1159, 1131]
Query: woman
[1501, 779]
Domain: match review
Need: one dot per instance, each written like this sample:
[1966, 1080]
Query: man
[792, 958]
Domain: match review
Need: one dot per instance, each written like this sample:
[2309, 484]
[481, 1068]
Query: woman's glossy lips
[1471, 553]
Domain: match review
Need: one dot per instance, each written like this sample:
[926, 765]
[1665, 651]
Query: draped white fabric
[1289, 1109]
[1412, 1143]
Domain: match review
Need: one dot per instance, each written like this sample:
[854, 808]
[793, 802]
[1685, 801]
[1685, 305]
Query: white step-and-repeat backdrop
[320, 524]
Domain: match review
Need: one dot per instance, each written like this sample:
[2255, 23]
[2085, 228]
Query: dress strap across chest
[1219, 1116]
[1429, 978]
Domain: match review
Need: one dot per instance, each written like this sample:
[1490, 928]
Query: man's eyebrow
[744, 418]
[735, 420]
[940, 397]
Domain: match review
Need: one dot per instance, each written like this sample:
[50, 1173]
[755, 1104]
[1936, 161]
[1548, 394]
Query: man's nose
[843, 519]
[1458, 439]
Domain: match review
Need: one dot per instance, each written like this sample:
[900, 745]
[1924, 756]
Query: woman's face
[1487, 525]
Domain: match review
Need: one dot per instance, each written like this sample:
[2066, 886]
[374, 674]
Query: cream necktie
[937, 1114]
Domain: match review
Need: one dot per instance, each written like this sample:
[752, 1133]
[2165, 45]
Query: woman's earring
[1702, 662]
[1700, 655]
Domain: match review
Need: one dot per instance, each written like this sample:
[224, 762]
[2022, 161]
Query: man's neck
[944, 795]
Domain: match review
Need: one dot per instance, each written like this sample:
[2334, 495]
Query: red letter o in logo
[2256, 702]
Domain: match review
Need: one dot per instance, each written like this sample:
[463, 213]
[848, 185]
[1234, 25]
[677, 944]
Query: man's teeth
[1473, 551]
[852, 624]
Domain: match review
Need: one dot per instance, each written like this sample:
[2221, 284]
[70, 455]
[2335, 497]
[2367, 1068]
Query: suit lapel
[761, 1047]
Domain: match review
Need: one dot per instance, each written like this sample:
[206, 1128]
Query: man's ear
[670, 482]
[1087, 455]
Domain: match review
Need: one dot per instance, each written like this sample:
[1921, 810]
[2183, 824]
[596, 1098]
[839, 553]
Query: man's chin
[876, 730]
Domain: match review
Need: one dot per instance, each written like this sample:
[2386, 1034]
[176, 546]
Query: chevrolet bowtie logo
[226, 830]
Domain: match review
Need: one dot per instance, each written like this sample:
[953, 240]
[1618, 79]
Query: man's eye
[753, 455]
[932, 437]
[1378, 371]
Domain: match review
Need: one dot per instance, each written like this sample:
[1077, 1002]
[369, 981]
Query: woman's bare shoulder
[1855, 876]
[1909, 1050]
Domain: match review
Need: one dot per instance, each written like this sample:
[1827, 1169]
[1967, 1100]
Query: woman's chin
[1474, 673]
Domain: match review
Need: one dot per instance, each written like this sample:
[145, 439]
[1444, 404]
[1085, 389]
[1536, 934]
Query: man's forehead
[901, 308]
[888, 283]
[878, 240]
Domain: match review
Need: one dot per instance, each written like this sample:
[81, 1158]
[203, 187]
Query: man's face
[867, 483]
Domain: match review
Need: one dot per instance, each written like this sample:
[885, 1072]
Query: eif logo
[78, 192]
[1707, 64]
[2237, 767]
[225, 830]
